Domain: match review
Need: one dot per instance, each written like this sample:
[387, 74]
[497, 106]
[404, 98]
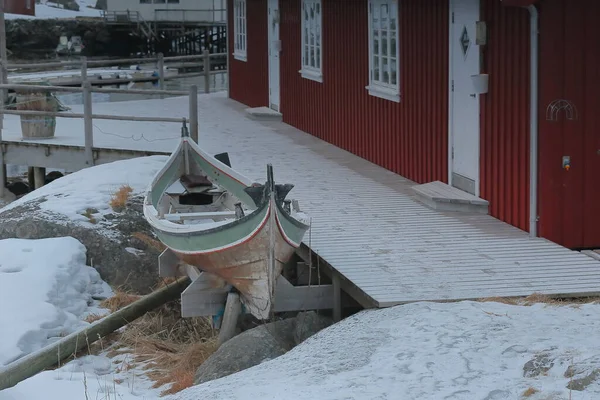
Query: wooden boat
[219, 221]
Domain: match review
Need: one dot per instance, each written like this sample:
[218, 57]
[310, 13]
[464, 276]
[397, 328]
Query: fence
[160, 60]
[88, 115]
[216, 15]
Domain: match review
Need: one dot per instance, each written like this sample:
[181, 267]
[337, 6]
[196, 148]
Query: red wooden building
[22, 7]
[496, 97]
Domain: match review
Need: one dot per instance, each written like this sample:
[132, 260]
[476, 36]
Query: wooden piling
[88, 123]
[233, 310]
[194, 113]
[206, 71]
[39, 177]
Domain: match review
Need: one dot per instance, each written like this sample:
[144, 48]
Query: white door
[464, 126]
[274, 49]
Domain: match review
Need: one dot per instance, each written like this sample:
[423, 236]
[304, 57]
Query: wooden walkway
[369, 226]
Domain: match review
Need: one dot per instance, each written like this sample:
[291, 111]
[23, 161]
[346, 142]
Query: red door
[569, 131]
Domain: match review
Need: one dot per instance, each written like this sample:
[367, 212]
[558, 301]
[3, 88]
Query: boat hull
[246, 266]
[247, 252]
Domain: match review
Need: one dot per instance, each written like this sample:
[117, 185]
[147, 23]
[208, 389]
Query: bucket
[36, 126]
[480, 83]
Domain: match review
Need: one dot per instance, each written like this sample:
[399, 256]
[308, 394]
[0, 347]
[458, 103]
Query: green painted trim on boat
[220, 178]
[166, 179]
[221, 236]
[292, 228]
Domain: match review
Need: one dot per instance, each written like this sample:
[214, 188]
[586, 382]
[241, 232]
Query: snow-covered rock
[46, 290]
[78, 205]
[466, 350]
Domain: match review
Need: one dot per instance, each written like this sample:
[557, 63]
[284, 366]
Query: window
[239, 29]
[384, 73]
[312, 50]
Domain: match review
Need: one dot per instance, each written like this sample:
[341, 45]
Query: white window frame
[377, 85]
[240, 30]
[314, 26]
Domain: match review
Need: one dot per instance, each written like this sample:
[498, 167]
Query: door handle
[473, 95]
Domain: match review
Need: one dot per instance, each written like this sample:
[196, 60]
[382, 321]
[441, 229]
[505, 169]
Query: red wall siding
[570, 60]
[21, 7]
[249, 80]
[504, 151]
[410, 137]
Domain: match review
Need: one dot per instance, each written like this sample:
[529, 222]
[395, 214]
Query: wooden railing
[160, 61]
[217, 15]
[86, 88]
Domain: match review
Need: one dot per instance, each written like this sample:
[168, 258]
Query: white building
[171, 10]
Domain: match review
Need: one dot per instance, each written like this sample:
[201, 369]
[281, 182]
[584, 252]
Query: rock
[582, 383]
[308, 324]
[18, 188]
[101, 4]
[7, 198]
[583, 374]
[248, 349]
[537, 366]
[52, 176]
[107, 252]
[71, 5]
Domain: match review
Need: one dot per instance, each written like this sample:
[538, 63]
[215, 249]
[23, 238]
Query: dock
[380, 243]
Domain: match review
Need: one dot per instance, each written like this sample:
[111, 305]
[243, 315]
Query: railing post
[206, 71]
[161, 72]
[84, 68]
[88, 123]
[194, 113]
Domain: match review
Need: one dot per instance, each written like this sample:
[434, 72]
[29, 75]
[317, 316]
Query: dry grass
[172, 347]
[89, 214]
[119, 300]
[538, 298]
[150, 242]
[93, 318]
[120, 197]
[504, 300]
[530, 392]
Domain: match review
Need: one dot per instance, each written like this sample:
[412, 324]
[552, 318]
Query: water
[218, 82]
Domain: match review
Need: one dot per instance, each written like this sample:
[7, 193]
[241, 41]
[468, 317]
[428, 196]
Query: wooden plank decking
[369, 226]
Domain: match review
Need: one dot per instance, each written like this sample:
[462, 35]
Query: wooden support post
[161, 72]
[168, 265]
[88, 124]
[337, 298]
[84, 68]
[206, 54]
[39, 177]
[31, 177]
[194, 113]
[233, 309]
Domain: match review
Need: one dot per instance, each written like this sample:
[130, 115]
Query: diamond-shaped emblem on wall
[465, 42]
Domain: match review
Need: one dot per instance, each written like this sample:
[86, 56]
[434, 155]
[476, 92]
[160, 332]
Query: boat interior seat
[193, 181]
[207, 215]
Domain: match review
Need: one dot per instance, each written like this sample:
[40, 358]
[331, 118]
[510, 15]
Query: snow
[45, 291]
[89, 377]
[91, 189]
[466, 350]
[47, 10]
